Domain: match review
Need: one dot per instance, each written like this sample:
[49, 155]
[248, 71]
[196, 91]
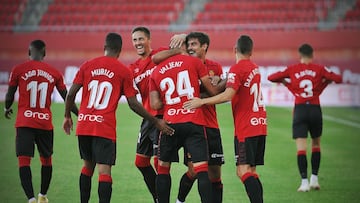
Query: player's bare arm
[162, 55]
[155, 101]
[217, 99]
[210, 88]
[69, 103]
[9, 100]
[139, 109]
[74, 108]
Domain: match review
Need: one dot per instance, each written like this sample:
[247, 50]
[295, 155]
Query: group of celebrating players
[179, 88]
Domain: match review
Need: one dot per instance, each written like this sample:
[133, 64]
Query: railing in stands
[342, 25]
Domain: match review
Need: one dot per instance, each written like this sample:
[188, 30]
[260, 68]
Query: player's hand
[67, 125]
[193, 103]
[164, 128]
[215, 79]
[8, 113]
[177, 40]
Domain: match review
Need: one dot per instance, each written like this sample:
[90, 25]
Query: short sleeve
[128, 84]
[13, 79]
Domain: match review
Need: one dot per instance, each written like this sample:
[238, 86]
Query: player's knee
[87, 171]
[24, 161]
[141, 161]
[214, 172]
[191, 174]
[315, 149]
[245, 176]
[242, 170]
[201, 167]
[164, 170]
[46, 161]
[105, 178]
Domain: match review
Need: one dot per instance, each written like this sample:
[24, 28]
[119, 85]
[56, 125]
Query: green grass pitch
[339, 174]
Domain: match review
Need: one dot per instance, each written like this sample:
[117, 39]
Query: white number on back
[258, 99]
[99, 94]
[183, 88]
[307, 85]
[34, 88]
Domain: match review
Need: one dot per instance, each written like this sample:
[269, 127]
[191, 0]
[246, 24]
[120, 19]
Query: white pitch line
[342, 121]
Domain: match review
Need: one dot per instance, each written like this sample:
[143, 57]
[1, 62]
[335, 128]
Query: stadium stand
[273, 13]
[111, 12]
[353, 14]
[210, 15]
[8, 12]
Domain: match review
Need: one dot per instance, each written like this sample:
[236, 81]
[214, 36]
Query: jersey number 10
[100, 93]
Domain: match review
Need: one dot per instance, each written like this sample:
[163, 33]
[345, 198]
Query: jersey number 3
[307, 85]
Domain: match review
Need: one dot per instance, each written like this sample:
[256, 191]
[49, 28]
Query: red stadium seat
[263, 11]
[112, 12]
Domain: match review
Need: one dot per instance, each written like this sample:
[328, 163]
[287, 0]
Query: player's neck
[36, 57]
[305, 60]
[146, 54]
[240, 57]
[203, 59]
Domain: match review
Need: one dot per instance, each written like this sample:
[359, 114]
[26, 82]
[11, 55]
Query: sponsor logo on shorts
[91, 118]
[37, 115]
[214, 156]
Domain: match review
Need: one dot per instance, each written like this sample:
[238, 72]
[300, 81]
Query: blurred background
[74, 32]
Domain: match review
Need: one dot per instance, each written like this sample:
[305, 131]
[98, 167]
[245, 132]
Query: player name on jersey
[171, 65]
[251, 77]
[305, 73]
[102, 71]
[41, 73]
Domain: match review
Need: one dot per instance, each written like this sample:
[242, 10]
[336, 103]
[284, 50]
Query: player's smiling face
[194, 48]
[141, 43]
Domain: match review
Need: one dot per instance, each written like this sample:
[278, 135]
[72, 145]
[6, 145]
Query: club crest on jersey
[136, 70]
[231, 78]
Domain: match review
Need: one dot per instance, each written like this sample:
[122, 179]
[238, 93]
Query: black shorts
[187, 135]
[26, 138]
[251, 151]
[147, 143]
[216, 153]
[307, 118]
[97, 149]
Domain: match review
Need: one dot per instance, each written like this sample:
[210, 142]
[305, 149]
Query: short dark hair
[306, 50]
[244, 44]
[37, 47]
[142, 29]
[38, 44]
[202, 37]
[113, 42]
